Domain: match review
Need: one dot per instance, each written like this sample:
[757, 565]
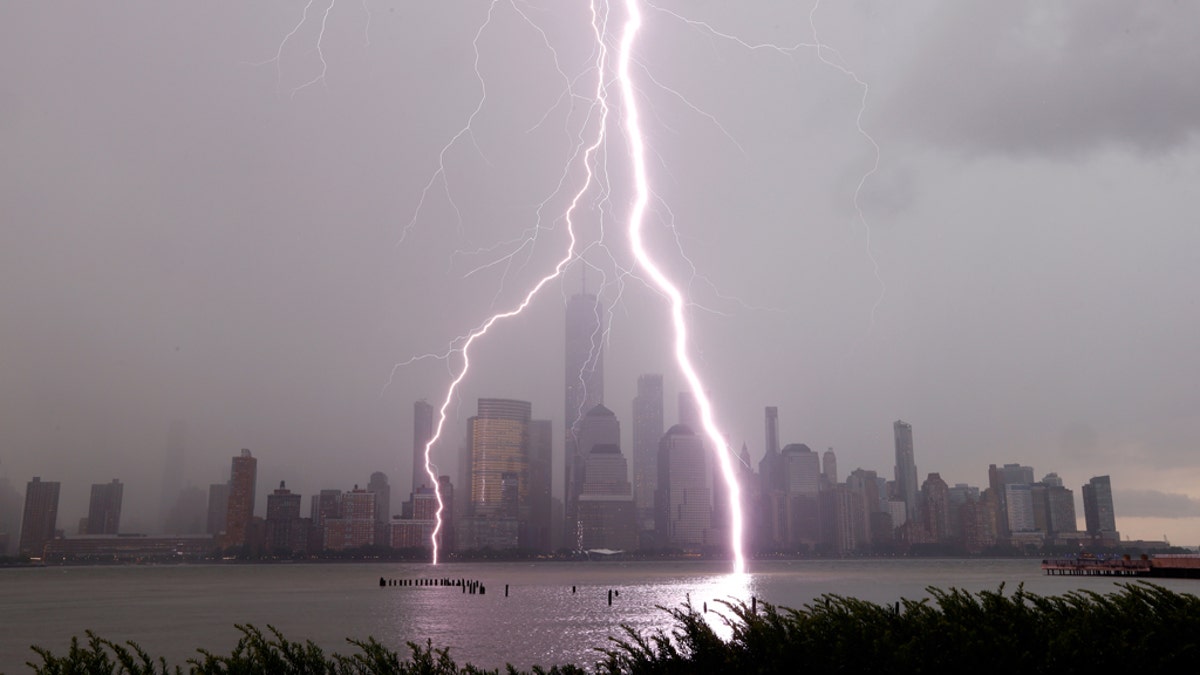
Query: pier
[1177, 567]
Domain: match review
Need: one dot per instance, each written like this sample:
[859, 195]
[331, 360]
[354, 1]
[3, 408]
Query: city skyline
[185, 240]
[811, 512]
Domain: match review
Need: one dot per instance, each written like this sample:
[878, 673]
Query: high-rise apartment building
[1060, 506]
[935, 507]
[906, 469]
[684, 499]
[647, 432]
[1098, 508]
[1018, 507]
[104, 508]
[286, 531]
[40, 517]
[422, 433]
[355, 525]
[242, 479]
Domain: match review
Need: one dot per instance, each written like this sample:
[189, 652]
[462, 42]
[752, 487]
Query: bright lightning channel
[569, 256]
[637, 148]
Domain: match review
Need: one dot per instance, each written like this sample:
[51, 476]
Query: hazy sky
[188, 232]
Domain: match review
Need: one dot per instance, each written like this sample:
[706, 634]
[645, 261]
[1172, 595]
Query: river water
[172, 610]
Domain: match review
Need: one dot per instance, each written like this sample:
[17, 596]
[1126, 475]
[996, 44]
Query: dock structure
[1166, 566]
[1095, 567]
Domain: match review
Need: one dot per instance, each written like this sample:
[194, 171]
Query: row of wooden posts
[472, 587]
[468, 586]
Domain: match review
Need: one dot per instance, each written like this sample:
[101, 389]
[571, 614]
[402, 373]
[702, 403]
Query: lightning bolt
[590, 155]
[568, 256]
[637, 148]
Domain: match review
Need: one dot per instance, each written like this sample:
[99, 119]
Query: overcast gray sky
[189, 232]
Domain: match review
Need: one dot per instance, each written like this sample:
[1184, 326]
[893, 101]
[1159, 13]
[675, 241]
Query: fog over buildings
[199, 253]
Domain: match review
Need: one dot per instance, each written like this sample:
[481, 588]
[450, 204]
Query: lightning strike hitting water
[642, 195]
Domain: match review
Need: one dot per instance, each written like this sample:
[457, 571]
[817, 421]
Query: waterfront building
[40, 517]
[998, 478]
[906, 469]
[243, 476]
[598, 427]
[104, 508]
[869, 528]
[840, 511]
[1060, 508]
[498, 436]
[507, 451]
[1018, 508]
[286, 532]
[801, 468]
[355, 525]
[606, 509]
[684, 498]
[1098, 508]
[935, 507]
[647, 431]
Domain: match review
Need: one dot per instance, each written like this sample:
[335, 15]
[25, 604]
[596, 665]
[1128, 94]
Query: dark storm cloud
[1155, 504]
[1029, 78]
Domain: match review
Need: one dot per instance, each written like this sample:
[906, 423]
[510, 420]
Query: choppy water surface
[172, 610]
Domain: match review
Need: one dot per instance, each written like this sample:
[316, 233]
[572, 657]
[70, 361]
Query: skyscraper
[606, 509]
[829, 467]
[541, 445]
[647, 432]
[285, 531]
[422, 432]
[242, 478]
[906, 469]
[771, 418]
[599, 426]
[801, 469]
[935, 505]
[583, 372]
[104, 508]
[383, 496]
[684, 499]
[499, 444]
[1098, 508]
[40, 517]
[772, 528]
